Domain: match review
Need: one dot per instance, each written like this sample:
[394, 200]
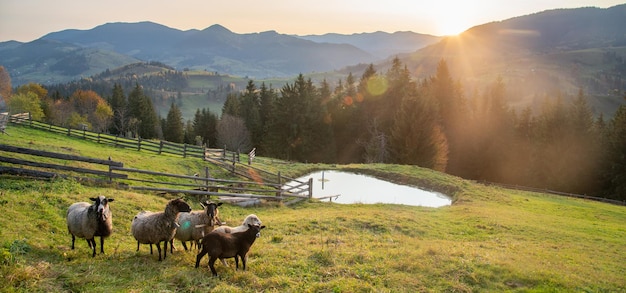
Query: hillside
[490, 240]
[49, 62]
[547, 52]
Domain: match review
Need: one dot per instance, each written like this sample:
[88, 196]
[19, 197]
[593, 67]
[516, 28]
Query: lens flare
[377, 85]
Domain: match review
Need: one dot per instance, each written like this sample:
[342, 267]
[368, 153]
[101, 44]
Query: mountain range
[550, 51]
[215, 49]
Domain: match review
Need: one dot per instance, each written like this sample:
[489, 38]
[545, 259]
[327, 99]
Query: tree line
[388, 117]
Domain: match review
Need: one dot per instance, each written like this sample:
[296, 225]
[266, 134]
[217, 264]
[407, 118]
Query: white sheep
[85, 220]
[157, 227]
[251, 219]
[195, 224]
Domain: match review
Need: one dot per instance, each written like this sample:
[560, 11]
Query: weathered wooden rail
[115, 172]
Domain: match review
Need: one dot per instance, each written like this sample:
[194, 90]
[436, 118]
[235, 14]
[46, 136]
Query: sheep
[251, 219]
[86, 220]
[156, 227]
[226, 245]
[195, 224]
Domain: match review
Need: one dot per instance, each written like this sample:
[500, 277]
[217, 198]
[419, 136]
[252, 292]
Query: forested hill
[557, 50]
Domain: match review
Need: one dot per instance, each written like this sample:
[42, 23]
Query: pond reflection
[358, 188]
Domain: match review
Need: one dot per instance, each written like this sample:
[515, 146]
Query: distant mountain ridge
[257, 55]
[216, 49]
[380, 44]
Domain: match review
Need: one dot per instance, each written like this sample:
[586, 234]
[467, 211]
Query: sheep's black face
[256, 229]
[212, 211]
[102, 205]
[181, 205]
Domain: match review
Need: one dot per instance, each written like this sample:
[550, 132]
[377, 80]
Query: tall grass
[490, 240]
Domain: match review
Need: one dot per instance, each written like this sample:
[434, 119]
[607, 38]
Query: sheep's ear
[219, 204]
[93, 198]
[262, 227]
[110, 199]
[202, 205]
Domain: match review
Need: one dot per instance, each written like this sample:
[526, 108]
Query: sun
[451, 27]
[453, 17]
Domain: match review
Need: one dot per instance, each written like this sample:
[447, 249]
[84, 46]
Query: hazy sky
[27, 20]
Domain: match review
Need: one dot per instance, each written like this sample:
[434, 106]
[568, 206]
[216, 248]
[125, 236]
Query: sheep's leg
[184, 245]
[199, 257]
[158, 245]
[73, 239]
[243, 261]
[92, 245]
[224, 262]
[138, 246]
[150, 248]
[212, 265]
[101, 244]
[236, 262]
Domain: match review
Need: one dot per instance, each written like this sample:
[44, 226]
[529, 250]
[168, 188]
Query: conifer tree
[142, 110]
[173, 129]
[120, 110]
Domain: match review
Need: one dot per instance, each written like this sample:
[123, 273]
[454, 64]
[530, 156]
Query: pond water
[359, 188]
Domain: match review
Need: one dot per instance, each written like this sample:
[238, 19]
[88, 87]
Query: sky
[28, 20]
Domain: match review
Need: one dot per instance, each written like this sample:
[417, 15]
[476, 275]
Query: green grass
[490, 240]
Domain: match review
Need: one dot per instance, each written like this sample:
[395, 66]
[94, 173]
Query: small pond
[359, 188]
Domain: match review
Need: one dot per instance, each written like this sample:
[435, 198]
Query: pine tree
[416, 136]
[250, 104]
[120, 111]
[173, 129]
[142, 110]
[205, 127]
[614, 174]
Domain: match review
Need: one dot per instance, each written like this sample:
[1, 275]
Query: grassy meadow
[489, 240]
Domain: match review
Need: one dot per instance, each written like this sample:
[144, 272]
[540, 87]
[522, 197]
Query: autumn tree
[5, 85]
[26, 102]
[95, 110]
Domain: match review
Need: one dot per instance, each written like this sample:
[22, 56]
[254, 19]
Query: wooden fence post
[160, 146]
[280, 186]
[184, 150]
[69, 131]
[139, 143]
[224, 153]
[310, 187]
[110, 172]
[207, 176]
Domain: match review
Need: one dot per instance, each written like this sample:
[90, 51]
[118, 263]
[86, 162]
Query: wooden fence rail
[129, 177]
[139, 144]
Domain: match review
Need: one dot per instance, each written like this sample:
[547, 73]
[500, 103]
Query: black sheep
[226, 245]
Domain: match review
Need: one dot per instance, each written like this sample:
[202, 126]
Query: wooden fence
[155, 146]
[115, 172]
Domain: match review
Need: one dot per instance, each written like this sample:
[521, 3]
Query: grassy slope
[490, 239]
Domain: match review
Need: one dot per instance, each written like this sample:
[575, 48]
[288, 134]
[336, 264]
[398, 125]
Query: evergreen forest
[379, 117]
